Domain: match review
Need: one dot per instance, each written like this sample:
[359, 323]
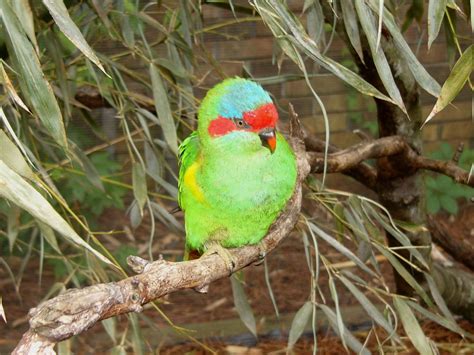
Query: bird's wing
[188, 155]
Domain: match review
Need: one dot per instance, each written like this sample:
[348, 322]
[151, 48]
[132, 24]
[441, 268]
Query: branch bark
[351, 160]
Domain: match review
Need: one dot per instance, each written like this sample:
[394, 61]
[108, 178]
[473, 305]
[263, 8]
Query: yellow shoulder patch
[190, 181]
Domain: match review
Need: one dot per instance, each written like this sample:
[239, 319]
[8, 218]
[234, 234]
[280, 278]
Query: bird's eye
[240, 123]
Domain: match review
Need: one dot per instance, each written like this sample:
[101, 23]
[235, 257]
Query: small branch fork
[77, 310]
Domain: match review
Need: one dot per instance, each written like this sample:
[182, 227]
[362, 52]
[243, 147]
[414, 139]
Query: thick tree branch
[350, 159]
[459, 245]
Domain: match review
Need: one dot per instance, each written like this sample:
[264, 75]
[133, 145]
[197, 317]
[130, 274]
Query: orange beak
[268, 138]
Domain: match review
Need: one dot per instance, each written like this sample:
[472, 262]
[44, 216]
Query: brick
[431, 132]
[342, 139]
[315, 124]
[323, 85]
[245, 49]
[458, 130]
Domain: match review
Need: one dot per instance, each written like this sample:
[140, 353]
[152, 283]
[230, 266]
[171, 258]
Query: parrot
[236, 171]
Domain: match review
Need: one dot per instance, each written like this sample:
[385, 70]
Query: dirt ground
[290, 280]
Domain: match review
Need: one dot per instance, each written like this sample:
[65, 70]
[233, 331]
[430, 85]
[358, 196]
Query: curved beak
[268, 138]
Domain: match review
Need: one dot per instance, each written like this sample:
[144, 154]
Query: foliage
[442, 193]
[53, 52]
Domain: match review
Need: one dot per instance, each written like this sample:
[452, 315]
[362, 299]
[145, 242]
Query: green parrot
[237, 172]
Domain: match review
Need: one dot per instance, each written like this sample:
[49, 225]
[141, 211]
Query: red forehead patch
[266, 116]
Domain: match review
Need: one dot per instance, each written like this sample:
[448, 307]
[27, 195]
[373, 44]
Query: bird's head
[238, 112]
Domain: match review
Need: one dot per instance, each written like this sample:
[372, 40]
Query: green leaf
[351, 340]
[163, 109]
[13, 226]
[23, 10]
[48, 233]
[12, 157]
[449, 204]
[299, 323]
[352, 27]
[367, 22]
[418, 70]
[242, 305]
[436, 10]
[140, 190]
[15, 189]
[59, 12]
[442, 321]
[455, 82]
[432, 203]
[91, 172]
[341, 248]
[403, 272]
[412, 328]
[284, 25]
[368, 306]
[34, 86]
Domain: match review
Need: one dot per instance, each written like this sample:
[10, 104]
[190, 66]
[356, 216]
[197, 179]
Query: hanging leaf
[426, 81]
[23, 10]
[369, 307]
[34, 86]
[12, 157]
[350, 339]
[299, 323]
[140, 190]
[242, 305]
[436, 9]
[6, 82]
[367, 22]
[15, 189]
[412, 328]
[59, 12]
[455, 82]
[163, 109]
[352, 27]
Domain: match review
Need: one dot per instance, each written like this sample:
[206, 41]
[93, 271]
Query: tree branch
[77, 310]
[350, 160]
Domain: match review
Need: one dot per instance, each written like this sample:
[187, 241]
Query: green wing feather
[188, 153]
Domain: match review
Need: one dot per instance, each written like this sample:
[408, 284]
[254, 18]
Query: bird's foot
[262, 253]
[215, 248]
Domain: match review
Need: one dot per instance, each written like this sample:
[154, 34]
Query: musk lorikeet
[237, 172]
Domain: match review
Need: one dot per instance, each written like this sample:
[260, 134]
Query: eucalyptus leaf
[412, 328]
[352, 27]
[367, 22]
[61, 17]
[369, 307]
[11, 156]
[299, 323]
[350, 339]
[436, 9]
[15, 189]
[140, 190]
[456, 80]
[34, 86]
[163, 109]
[242, 305]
